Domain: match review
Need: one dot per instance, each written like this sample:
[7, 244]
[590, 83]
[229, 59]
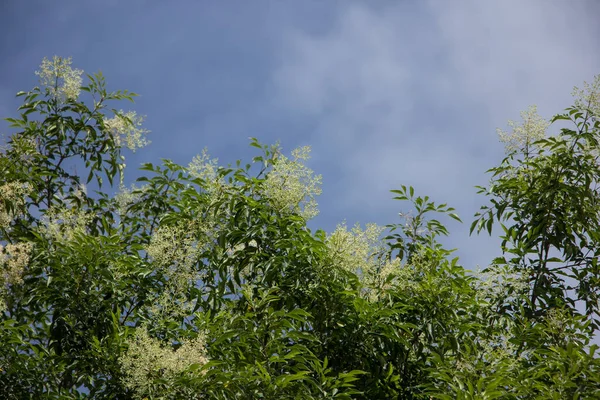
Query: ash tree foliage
[203, 281]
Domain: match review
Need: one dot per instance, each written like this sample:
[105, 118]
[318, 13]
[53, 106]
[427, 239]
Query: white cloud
[405, 95]
[507, 52]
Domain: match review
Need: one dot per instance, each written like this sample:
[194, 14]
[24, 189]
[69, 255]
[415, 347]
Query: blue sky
[386, 92]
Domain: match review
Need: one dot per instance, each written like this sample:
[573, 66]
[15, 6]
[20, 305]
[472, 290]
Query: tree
[204, 281]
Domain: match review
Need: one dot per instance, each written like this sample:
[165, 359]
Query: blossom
[172, 244]
[387, 276]
[12, 193]
[588, 97]
[13, 260]
[126, 130]
[203, 167]
[355, 250]
[127, 197]
[148, 359]
[174, 250]
[291, 186]
[64, 223]
[523, 136]
[500, 279]
[56, 70]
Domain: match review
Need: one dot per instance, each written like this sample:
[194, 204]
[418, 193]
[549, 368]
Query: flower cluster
[172, 245]
[355, 250]
[523, 136]
[127, 197]
[174, 251]
[498, 280]
[588, 98]
[12, 194]
[62, 224]
[205, 168]
[126, 130]
[291, 186]
[13, 260]
[147, 359]
[52, 72]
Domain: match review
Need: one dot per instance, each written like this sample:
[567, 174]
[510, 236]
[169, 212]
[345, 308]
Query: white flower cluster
[291, 186]
[13, 260]
[147, 359]
[174, 251]
[588, 98]
[13, 193]
[126, 130]
[205, 168]
[52, 72]
[172, 245]
[63, 223]
[524, 135]
[355, 250]
[498, 280]
[126, 197]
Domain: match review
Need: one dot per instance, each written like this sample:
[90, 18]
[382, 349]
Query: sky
[386, 93]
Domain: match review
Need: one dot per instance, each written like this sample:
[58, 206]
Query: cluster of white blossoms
[13, 193]
[13, 260]
[126, 197]
[147, 359]
[390, 274]
[355, 250]
[62, 81]
[588, 97]
[498, 280]
[291, 186]
[524, 135]
[126, 130]
[62, 224]
[174, 250]
[365, 254]
[173, 245]
[205, 168]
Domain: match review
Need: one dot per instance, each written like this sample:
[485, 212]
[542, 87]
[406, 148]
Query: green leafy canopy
[203, 281]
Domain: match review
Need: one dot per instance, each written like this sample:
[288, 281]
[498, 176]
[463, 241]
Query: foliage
[205, 282]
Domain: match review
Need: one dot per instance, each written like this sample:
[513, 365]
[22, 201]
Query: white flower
[292, 187]
[13, 260]
[63, 223]
[59, 70]
[498, 280]
[174, 251]
[206, 168]
[147, 359]
[523, 136]
[13, 193]
[355, 250]
[126, 197]
[125, 128]
[588, 98]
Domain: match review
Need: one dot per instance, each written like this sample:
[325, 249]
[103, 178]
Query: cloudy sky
[386, 92]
